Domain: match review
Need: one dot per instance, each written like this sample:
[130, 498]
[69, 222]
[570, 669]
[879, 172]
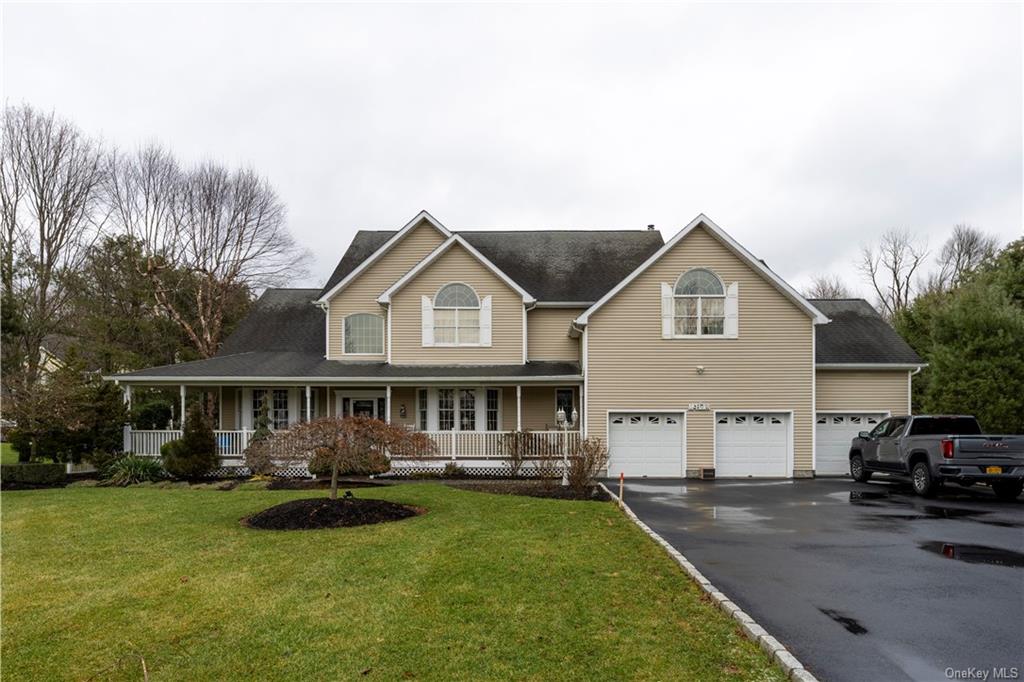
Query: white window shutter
[732, 309]
[485, 321]
[427, 313]
[667, 310]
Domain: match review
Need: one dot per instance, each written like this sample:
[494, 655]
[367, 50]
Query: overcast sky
[802, 130]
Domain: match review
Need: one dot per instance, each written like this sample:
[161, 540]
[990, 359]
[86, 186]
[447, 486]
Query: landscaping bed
[321, 483]
[532, 488]
[323, 512]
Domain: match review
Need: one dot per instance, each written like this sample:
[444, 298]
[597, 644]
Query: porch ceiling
[276, 366]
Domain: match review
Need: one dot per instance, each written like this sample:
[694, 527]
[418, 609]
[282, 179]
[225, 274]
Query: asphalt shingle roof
[280, 320]
[553, 265]
[858, 334]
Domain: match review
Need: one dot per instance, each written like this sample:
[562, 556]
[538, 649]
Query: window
[741, 420]
[421, 408]
[258, 395]
[671, 420]
[776, 420]
[822, 420]
[758, 419]
[564, 401]
[945, 426]
[723, 420]
[699, 304]
[617, 420]
[880, 429]
[492, 409]
[635, 420]
[653, 419]
[446, 409]
[467, 410]
[837, 420]
[456, 316]
[277, 408]
[364, 334]
[895, 426]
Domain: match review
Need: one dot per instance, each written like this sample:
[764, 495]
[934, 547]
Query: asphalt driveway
[853, 577]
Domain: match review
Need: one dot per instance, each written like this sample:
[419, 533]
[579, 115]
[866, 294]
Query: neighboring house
[684, 356]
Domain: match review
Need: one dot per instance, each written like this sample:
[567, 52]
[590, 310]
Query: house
[685, 356]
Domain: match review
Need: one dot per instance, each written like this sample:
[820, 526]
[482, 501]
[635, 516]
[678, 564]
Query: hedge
[32, 474]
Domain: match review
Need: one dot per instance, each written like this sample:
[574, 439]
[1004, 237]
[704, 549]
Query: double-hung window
[467, 409]
[277, 408]
[699, 298]
[456, 316]
[421, 409]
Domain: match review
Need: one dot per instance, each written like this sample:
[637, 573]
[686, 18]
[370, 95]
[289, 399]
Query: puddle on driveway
[851, 624]
[975, 554]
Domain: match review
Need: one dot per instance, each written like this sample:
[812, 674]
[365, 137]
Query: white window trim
[480, 391]
[478, 308]
[700, 305]
[382, 341]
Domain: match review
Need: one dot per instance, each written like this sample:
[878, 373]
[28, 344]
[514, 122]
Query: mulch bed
[323, 512]
[532, 489]
[321, 483]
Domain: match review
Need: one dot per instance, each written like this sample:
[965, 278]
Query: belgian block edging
[793, 668]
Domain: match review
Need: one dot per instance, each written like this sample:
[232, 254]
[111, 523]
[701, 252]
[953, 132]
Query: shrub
[258, 458]
[516, 446]
[453, 470]
[101, 459]
[585, 463]
[151, 413]
[195, 453]
[28, 475]
[131, 469]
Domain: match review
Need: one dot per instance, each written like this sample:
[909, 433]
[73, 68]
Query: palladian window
[456, 316]
[699, 304]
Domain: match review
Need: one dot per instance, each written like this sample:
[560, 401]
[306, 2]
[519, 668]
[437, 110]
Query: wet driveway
[862, 581]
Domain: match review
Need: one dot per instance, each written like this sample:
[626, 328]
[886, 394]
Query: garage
[832, 435]
[646, 444]
[752, 444]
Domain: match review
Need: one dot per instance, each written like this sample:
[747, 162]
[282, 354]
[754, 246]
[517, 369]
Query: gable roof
[280, 320]
[338, 282]
[756, 264]
[443, 248]
[858, 335]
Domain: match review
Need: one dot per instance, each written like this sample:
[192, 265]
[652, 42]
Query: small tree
[516, 446]
[195, 453]
[588, 460]
[348, 446]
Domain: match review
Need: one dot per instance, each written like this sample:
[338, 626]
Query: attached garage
[752, 445]
[832, 435]
[646, 444]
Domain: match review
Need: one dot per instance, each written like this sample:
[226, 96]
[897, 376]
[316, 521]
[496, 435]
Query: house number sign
[699, 407]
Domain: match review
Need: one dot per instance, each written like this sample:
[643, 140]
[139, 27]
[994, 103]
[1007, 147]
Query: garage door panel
[751, 444]
[833, 433]
[646, 444]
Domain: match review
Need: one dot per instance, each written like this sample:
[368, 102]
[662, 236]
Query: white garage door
[751, 444]
[646, 444]
[832, 436]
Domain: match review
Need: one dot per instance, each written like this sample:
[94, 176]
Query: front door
[364, 407]
[359, 403]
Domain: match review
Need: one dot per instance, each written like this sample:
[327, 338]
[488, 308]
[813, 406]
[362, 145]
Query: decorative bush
[16, 475]
[195, 453]
[101, 459]
[585, 463]
[517, 449]
[258, 458]
[131, 469]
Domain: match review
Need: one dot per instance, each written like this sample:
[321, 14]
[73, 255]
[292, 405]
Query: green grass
[8, 455]
[96, 580]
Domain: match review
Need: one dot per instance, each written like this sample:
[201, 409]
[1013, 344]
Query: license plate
[993, 470]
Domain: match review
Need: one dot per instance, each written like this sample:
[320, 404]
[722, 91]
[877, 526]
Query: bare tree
[208, 231]
[827, 286]
[51, 211]
[964, 251]
[890, 267]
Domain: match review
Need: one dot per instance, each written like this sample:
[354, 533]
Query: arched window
[699, 304]
[456, 316]
[364, 334]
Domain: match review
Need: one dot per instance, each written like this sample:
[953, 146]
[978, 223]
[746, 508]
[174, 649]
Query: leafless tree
[827, 286]
[52, 212]
[890, 267]
[964, 251]
[206, 231]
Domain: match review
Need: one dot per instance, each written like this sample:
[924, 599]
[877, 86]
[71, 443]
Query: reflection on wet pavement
[975, 554]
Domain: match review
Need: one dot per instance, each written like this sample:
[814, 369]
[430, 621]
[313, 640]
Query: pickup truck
[934, 449]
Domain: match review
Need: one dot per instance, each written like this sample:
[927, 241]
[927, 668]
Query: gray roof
[857, 334]
[280, 320]
[553, 265]
[313, 366]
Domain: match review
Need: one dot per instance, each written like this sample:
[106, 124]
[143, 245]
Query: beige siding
[457, 265]
[547, 334]
[361, 295]
[867, 390]
[227, 408]
[539, 407]
[769, 367]
[403, 395]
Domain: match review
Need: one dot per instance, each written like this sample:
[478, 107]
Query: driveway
[851, 577]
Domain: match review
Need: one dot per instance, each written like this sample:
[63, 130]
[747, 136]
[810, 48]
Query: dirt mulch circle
[321, 484]
[546, 489]
[323, 512]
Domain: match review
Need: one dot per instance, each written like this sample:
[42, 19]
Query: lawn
[8, 455]
[96, 580]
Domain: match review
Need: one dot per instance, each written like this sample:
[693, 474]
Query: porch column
[387, 403]
[519, 408]
[182, 392]
[128, 396]
[309, 411]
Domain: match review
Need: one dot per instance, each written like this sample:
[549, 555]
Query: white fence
[229, 443]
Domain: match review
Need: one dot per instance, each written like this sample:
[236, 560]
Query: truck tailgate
[1006, 448]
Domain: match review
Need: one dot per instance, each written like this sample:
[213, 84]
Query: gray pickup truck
[934, 449]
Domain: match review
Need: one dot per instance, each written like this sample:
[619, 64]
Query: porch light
[560, 417]
[575, 416]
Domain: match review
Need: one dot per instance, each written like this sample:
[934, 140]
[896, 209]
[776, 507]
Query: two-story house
[685, 356]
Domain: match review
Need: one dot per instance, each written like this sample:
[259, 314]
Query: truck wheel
[857, 470]
[921, 478]
[1007, 490]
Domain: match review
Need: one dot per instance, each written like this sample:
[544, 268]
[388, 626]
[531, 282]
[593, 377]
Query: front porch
[468, 423]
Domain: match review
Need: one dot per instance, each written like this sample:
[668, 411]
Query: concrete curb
[793, 668]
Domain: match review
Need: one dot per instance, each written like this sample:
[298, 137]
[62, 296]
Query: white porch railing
[451, 445]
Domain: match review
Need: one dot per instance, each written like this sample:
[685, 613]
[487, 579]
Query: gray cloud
[803, 130]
